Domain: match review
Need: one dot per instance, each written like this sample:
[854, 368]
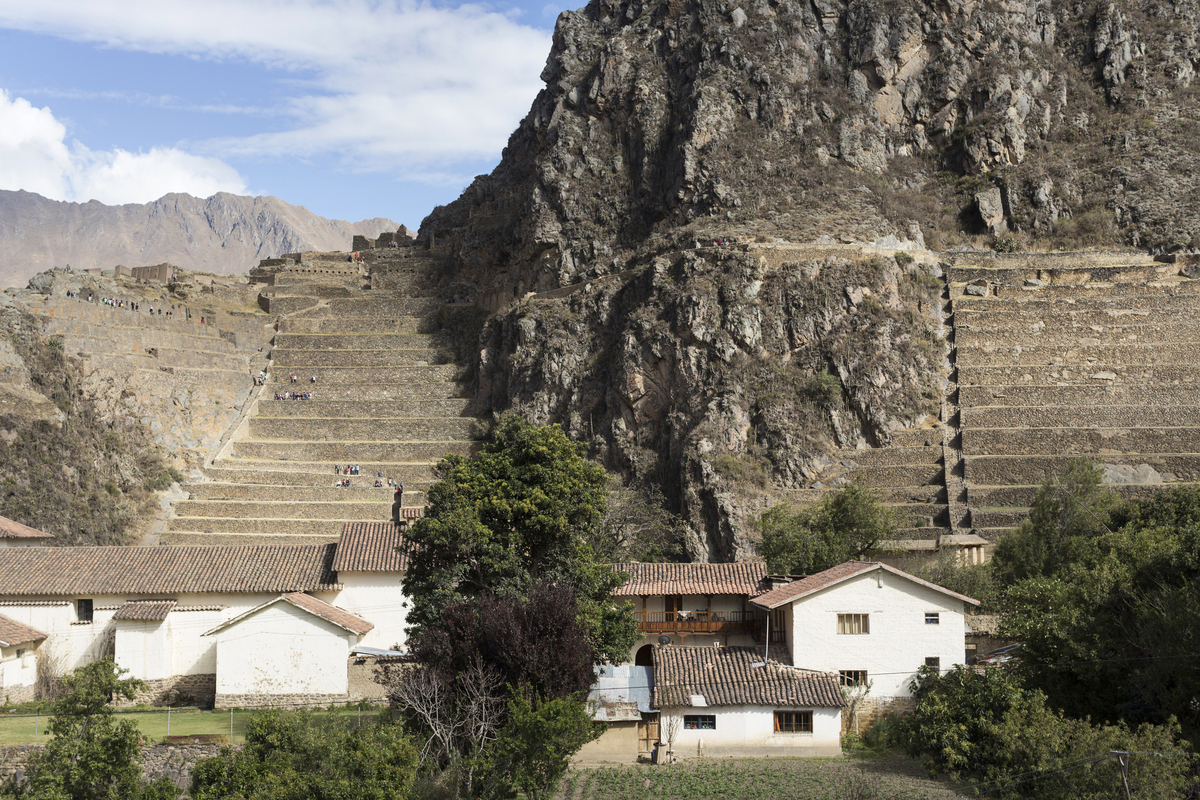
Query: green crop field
[21, 728]
[886, 778]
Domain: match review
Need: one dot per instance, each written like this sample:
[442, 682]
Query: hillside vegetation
[68, 472]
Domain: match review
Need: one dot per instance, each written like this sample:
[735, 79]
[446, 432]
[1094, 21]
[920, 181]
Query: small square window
[931, 618]
[853, 623]
[20, 653]
[793, 722]
[933, 661]
[83, 610]
[700, 722]
[852, 677]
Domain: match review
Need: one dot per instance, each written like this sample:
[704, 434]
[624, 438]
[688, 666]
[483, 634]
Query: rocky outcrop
[666, 125]
[725, 377]
[224, 234]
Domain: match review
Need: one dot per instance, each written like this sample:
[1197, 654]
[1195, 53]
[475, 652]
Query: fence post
[168, 722]
[231, 727]
[35, 727]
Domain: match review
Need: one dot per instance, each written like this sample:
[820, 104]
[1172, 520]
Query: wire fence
[178, 725]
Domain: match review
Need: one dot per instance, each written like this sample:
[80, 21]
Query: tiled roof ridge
[14, 633]
[738, 676]
[371, 547]
[11, 529]
[834, 575]
[178, 569]
[661, 578]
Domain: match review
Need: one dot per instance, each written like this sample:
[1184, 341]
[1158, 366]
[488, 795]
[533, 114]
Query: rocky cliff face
[224, 233]
[666, 124]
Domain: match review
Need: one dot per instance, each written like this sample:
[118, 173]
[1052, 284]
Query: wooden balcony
[713, 622]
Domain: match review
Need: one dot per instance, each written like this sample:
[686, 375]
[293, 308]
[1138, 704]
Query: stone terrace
[1077, 356]
[387, 398]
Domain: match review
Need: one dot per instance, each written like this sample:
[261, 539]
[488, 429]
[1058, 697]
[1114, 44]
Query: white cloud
[35, 156]
[383, 83]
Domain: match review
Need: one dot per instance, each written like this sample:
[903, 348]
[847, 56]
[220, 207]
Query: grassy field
[18, 728]
[884, 778]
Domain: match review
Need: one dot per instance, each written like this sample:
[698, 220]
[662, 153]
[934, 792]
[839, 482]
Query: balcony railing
[694, 621]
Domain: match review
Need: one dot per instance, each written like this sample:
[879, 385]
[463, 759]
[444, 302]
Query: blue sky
[352, 108]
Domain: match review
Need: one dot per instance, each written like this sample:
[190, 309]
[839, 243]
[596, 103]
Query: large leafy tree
[985, 727]
[843, 526]
[93, 755]
[1113, 632]
[296, 756]
[517, 515]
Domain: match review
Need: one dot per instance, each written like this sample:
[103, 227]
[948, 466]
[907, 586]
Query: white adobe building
[208, 622]
[753, 664]
[18, 660]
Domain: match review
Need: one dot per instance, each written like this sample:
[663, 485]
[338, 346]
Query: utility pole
[1123, 763]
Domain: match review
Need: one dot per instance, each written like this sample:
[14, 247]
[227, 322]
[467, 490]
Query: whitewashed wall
[899, 640]
[283, 650]
[745, 730]
[18, 672]
[377, 598]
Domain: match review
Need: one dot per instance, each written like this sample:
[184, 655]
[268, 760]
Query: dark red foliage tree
[536, 644]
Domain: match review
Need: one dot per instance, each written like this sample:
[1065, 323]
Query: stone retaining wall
[870, 709]
[1111, 415]
[380, 508]
[286, 702]
[1039, 469]
[362, 430]
[1075, 396]
[173, 761]
[359, 376]
[1091, 375]
[395, 409]
[359, 341]
[310, 360]
[352, 452]
[1095, 442]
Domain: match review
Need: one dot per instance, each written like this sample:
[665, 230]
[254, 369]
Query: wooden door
[647, 733]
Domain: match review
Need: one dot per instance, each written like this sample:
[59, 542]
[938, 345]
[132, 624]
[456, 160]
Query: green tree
[843, 526]
[985, 728]
[535, 747]
[518, 514]
[1067, 511]
[92, 754]
[1112, 632]
[296, 756]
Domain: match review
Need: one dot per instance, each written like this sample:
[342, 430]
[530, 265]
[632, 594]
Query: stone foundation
[286, 702]
[871, 709]
[189, 690]
[16, 695]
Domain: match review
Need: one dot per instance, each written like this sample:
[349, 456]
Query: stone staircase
[387, 398]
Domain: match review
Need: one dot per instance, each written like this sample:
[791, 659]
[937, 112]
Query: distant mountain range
[225, 233]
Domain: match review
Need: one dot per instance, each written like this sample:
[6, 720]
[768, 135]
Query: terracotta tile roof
[795, 590]
[370, 547]
[145, 610]
[743, 577]
[166, 570]
[724, 676]
[13, 632]
[333, 614]
[11, 529]
[305, 602]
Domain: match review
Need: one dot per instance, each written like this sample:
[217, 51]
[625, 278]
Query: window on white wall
[853, 623]
[700, 722]
[852, 677]
[933, 661]
[83, 610]
[931, 618]
[793, 722]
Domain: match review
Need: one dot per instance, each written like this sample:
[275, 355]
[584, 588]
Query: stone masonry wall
[192, 690]
[160, 760]
[871, 709]
[287, 702]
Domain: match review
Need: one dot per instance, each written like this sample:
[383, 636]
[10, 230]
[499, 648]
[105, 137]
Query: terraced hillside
[386, 398]
[1051, 357]
[1062, 356]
